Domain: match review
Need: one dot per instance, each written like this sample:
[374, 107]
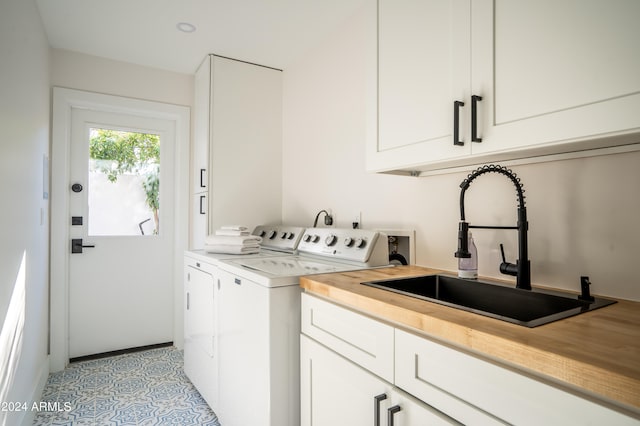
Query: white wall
[582, 212]
[94, 74]
[24, 126]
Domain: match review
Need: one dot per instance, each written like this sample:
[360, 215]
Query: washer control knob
[262, 233]
[348, 241]
[315, 238]
[360, 243]
[306, 238]
[330, 240]
[272, 235]
[284, 235]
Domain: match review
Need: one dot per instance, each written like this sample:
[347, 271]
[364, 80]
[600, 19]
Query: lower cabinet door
[334, 391]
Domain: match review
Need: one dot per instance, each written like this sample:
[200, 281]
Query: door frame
[64, 100]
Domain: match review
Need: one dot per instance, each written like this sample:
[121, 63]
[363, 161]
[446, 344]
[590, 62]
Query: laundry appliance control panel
[279, 237]
[356, 245]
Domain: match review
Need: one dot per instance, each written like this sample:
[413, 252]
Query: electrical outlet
[329, 219]
[357, 220]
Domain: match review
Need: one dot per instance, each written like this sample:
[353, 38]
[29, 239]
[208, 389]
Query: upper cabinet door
[245, 144]
[553, 73]
[201, 125]
[419, 67]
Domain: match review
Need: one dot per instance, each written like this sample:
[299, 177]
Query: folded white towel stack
[233, 232]
[229, 240]
[232, 240]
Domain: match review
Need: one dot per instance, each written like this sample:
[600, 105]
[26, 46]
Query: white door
[120, 282]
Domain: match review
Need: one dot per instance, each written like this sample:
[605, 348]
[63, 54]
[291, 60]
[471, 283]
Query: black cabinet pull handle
[376, 408]
[390, 412]
[474, 118]
[456, 122]
[201, 205]
[202, 185]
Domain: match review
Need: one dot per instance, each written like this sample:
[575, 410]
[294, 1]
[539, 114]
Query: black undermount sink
[529, 308]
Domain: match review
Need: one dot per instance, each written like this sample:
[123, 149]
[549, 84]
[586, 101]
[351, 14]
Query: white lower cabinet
[343, 358]
[336, 391]
[469, 386]
[344, 355]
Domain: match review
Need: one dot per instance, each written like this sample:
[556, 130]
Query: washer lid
[290, 266]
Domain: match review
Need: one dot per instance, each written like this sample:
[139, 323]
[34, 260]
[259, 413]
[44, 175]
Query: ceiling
[266, 32]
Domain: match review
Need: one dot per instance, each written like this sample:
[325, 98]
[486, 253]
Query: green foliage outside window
[129, 152]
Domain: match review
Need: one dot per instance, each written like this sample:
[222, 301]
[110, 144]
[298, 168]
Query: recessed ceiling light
[185, 27]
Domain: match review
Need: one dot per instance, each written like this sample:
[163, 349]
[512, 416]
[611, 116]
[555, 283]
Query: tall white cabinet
[462, 82]
[237, 152]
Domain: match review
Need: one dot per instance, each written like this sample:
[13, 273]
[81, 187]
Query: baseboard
[120, 352]
[26, 417]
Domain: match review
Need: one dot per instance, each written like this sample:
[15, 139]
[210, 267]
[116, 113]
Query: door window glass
[124, 183]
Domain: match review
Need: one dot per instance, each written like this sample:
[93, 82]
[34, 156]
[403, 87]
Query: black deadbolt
[76, 187]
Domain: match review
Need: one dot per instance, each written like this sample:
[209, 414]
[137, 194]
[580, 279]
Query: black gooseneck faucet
[522, 268]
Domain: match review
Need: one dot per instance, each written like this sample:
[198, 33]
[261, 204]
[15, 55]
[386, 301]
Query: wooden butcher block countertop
[598, 351]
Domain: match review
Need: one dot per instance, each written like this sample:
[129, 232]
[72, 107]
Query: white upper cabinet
[423, 52]
[237, 151]
[546, 77]
[245, 144]
[556, 73]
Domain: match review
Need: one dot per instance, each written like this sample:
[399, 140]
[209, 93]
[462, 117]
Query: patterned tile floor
[142, 388]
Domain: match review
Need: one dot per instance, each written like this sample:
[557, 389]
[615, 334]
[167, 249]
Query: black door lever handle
[77, 246]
